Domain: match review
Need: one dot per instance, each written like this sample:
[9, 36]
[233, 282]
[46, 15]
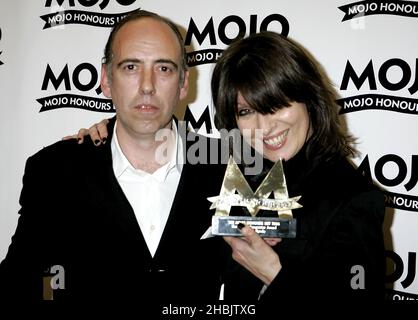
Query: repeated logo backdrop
[50, 55]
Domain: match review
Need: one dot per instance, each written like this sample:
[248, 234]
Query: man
[133, 232]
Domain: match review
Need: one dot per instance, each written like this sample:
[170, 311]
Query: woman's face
[277, 136]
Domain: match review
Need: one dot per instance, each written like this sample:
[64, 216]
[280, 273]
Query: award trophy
[235, 191]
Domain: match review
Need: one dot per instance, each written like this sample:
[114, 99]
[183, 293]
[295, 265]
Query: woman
[270, 83]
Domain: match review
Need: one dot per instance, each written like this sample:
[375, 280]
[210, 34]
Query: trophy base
[266, 227]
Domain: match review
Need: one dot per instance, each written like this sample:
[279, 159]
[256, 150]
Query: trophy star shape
[236, 191]
[235, 181]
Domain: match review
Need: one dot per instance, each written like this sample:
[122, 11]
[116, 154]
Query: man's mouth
[146, 107]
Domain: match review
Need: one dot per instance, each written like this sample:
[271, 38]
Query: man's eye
[165, 69]
[130, 67]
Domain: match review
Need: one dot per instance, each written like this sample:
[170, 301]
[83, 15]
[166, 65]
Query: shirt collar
[121, 163]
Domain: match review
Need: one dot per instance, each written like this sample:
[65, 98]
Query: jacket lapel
[115, 209]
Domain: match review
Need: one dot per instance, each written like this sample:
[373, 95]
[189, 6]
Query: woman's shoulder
[344, 177]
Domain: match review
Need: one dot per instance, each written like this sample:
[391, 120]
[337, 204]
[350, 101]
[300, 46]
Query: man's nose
[147, 82]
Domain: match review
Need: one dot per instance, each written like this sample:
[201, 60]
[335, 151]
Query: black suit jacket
[74, 214]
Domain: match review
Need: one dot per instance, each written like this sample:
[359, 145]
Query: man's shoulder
[64, 151]
[70, 148]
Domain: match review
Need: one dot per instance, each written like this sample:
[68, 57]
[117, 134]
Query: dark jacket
[74, 214]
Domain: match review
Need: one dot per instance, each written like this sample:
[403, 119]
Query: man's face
[144, 83]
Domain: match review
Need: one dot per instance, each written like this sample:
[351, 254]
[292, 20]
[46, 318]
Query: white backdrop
[50, 54]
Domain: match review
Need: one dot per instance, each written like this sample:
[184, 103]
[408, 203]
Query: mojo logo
[367, 8]
[76, 80]
[59, 16]
[53, 279]
[224, 34]
[396, 269]
[408, 80]
[194, 124]
[0, 51]
[398, 165]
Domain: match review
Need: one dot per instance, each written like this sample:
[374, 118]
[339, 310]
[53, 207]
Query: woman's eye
[244, 112]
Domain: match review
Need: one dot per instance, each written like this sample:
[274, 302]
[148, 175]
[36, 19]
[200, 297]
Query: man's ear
[184, 89]
[105, 82]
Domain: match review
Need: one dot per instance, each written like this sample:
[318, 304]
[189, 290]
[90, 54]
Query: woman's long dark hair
[271, 71]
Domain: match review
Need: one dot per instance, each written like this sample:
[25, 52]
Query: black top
[338, 254]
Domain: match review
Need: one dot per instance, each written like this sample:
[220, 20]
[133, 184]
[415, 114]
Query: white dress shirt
[151, 195]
